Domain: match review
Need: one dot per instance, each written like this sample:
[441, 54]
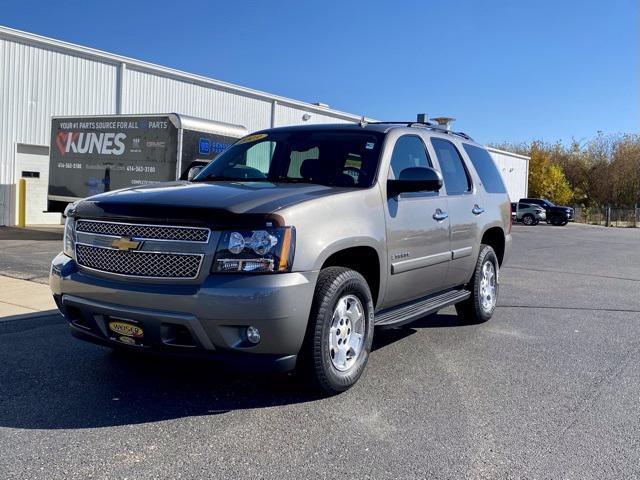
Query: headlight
[69, 238]
[256, 251]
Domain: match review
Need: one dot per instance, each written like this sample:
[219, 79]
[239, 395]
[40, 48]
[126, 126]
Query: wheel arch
[495, 238]
[364, 258]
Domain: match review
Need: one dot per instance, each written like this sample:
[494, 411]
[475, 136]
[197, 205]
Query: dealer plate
[126, 332]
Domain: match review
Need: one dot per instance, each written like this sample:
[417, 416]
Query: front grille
[148, 232]
[139, 264]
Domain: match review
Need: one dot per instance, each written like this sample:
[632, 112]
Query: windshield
[550, 204]
[334, 158]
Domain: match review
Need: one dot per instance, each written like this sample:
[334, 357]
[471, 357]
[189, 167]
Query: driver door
[417, 231]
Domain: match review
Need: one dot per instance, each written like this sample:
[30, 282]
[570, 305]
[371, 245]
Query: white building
[41, 77]
[515, 172]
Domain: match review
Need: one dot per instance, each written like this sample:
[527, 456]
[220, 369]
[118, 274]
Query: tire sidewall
[486, 253]
[337, 380]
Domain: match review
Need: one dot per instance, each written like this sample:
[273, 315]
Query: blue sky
[508, 70]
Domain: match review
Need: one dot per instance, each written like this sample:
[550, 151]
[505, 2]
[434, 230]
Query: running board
[406, 313]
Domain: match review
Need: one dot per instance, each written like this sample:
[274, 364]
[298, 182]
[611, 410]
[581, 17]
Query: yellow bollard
[22, 202]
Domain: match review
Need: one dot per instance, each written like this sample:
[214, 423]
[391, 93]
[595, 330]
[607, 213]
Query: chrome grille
[139, 264]
[149, 232]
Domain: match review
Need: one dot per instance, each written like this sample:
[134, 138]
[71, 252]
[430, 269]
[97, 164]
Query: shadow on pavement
[31, 234]
[51, 381]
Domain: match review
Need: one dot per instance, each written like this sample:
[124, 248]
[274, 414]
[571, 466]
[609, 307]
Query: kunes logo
[83, 142]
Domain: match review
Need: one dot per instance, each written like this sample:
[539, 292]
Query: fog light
[253, 335]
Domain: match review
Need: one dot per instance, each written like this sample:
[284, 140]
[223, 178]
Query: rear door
[464, 207]
[417, 231]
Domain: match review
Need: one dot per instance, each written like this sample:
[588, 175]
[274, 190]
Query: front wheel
[340, 330]
[556, 221]
[528, 219]
[479, 307]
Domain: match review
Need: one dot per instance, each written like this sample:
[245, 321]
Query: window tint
[454, 173]
[337, 158]
[408, 152]
[486, 168]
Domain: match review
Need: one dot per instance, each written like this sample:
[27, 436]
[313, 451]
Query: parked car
[556, 215]
[288, 248]
[529, 214]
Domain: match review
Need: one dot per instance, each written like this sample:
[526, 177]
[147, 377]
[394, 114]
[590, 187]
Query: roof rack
[427, 125]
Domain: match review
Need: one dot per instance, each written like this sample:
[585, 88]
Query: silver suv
[290, 247]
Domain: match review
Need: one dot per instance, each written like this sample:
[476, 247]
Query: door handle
[439, 215]
[477, 210]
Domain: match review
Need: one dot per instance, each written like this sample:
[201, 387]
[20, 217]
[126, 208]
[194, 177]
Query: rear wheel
[479, 307]
[340, 330]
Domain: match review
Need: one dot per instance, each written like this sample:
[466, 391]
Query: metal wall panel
[286, 115]
[514, 170]
[145, 92]
[35, 84]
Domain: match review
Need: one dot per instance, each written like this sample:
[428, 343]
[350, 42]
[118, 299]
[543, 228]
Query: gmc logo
[81, 142]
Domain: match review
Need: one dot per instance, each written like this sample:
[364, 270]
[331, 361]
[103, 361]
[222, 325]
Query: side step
[408, 312]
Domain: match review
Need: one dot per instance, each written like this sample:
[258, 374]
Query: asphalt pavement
[549, 388]
[26, 253]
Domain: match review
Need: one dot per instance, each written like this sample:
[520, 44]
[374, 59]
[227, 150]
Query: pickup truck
[289, 248]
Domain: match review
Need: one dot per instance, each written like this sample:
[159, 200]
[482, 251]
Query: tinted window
[523, 205]
[340, 158]
[455, 175]
[486, 168]
[408, 152]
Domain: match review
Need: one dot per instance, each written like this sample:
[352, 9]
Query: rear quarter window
[486, 168]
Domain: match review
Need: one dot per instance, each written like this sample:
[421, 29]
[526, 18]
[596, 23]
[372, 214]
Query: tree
[546, 179]
[559, 190]
[602, 171]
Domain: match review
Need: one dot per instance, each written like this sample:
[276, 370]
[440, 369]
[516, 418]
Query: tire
[478, 308]
[528, 219]
[556, 221]
[536, 222]
[564, 222]
[322, 359]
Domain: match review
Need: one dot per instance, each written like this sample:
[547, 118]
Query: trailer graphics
[92, 155]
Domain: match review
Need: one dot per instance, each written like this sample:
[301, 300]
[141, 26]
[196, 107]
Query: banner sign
[91, 155]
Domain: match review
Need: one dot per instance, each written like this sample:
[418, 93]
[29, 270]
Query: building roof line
[505, 152]
[140, 65]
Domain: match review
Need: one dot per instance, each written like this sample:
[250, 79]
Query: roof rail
[427, 125]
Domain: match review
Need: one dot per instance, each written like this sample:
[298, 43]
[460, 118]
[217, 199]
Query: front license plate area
[126, 331]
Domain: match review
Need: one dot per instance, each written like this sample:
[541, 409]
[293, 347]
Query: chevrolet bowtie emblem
[125, 243]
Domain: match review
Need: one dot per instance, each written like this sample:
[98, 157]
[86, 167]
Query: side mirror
[194, 171]
[415, 179]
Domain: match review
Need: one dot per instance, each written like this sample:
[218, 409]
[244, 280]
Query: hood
[211, 203]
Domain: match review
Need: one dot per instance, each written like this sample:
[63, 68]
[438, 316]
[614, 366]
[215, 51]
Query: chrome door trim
[461, 252]
[415, 263]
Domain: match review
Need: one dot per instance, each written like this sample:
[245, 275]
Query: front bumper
[198, 320]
